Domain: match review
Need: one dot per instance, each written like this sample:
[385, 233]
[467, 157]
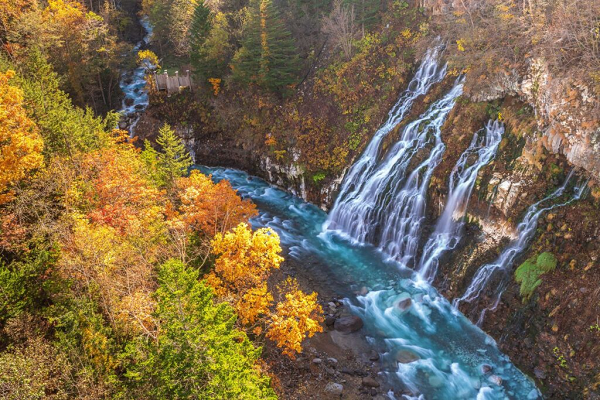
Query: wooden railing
[172, 84]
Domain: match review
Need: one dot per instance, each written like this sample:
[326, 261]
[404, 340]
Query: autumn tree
[82, 47]
[11, 11]
[116, 236]
[20, 143]
[211, 208]
[296, 317]
[244, 262]
[65, 128]
[341, 28]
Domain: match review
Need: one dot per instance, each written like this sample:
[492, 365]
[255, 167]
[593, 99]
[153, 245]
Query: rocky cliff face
[568, 115]
[567, 111]
[551, 335]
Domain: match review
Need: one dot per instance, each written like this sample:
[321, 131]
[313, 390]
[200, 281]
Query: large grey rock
[348, 324]
[370, 382]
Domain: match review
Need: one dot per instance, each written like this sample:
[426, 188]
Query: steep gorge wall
[551, 335]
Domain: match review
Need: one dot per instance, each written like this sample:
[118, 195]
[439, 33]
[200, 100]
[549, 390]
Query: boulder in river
[370, 382]
[348, 324]
[406, 356]
[128, 101]
[404, 304]
[496, 379]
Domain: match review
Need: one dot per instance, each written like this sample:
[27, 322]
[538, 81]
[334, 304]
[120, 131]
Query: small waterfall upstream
[386, 208]
[447, 233]
[133, 85]
[499, 271]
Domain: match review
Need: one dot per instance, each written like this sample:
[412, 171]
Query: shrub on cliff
[528, 274]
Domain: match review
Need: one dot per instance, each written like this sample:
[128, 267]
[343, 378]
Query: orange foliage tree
[203, 209]
[245, 260]
[117, 235]
[20, 143]
[212, 208]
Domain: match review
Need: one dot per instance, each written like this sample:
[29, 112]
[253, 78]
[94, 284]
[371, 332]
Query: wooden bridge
[172, 84]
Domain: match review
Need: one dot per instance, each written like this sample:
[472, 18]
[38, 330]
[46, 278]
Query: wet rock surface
[348, 324]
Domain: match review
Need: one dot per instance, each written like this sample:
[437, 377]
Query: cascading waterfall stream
[133, 84]
[427, 75]
[401, 213]
[500, 269]
[386, 208]
[447, 233]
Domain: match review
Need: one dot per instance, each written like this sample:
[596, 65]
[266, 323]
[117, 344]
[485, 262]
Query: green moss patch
[529, 273]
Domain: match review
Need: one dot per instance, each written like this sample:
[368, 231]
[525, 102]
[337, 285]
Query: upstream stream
[368, 245]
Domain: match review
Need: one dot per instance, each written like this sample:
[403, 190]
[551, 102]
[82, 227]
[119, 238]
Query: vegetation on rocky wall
[493, 37]
[529, 273]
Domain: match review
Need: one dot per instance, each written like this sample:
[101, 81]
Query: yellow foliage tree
[20, 143]
[245, 260]
[295, 318]
[148, 59]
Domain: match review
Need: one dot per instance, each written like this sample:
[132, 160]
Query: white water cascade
[133, 84]
[501, 268]
[428, 74]
[383, 206]
[447, 233]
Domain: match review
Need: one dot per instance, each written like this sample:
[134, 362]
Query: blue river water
[426, 345]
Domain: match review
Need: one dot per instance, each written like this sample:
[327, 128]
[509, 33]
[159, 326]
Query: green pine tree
[268, 56]
[367, 13]
[173, 159]
[199, 31]
[198, 352]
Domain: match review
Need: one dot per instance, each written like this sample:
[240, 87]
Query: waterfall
[427, 75]
[384, 207]
[501, 267]
[447, 233]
